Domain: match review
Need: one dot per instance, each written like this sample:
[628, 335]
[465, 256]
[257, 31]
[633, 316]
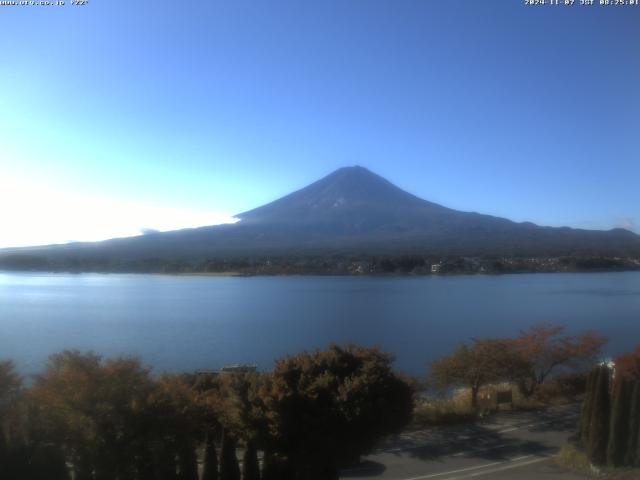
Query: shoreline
[239, 274]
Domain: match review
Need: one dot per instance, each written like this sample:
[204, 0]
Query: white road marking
[468, 469]
[500, 469]
[509, 430]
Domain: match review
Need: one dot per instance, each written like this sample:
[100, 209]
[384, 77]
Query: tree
[628, 364]
[229, 468]
[627, 367]
[619, 428]
[632, 458]
[587, 406]
[485, 361]
[187, 461]
[10, 384]
[180, 422]
[10, 390]
[65, 400]
[545, 350]
[250, 467]
[16, 455]
[47, 462]
[329, 407]
[599, 422]
[270, 470]
[241, 413]
[210, 469]
[94, 410]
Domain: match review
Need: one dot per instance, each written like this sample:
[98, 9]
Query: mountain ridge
[350, 211]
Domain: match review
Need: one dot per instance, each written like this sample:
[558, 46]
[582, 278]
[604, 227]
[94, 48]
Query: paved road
[510, 445]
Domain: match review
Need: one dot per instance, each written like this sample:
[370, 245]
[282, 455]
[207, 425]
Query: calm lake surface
[187, 323]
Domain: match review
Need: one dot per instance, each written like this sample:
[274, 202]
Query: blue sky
[118, 115]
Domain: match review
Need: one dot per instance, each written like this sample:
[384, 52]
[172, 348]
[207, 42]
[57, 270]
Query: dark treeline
[92, 419]
[325, 264]
[610, 422]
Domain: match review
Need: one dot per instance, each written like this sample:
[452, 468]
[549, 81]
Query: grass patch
[575, 460]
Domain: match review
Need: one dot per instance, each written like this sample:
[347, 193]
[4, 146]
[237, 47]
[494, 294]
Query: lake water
[187, 323]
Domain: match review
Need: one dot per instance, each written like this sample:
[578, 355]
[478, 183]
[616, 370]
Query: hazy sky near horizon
[120, 116]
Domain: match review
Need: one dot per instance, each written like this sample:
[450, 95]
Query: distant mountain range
[350, 211]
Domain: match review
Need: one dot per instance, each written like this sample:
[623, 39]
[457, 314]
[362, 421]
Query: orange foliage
[628, 364]
[546, 349]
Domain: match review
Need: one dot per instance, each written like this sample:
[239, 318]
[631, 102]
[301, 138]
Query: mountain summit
[350, 200]
[349, 189]
[350, 211]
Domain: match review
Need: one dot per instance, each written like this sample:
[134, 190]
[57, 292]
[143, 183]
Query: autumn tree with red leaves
[546, 350]
[628, 364]
[484, 361]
